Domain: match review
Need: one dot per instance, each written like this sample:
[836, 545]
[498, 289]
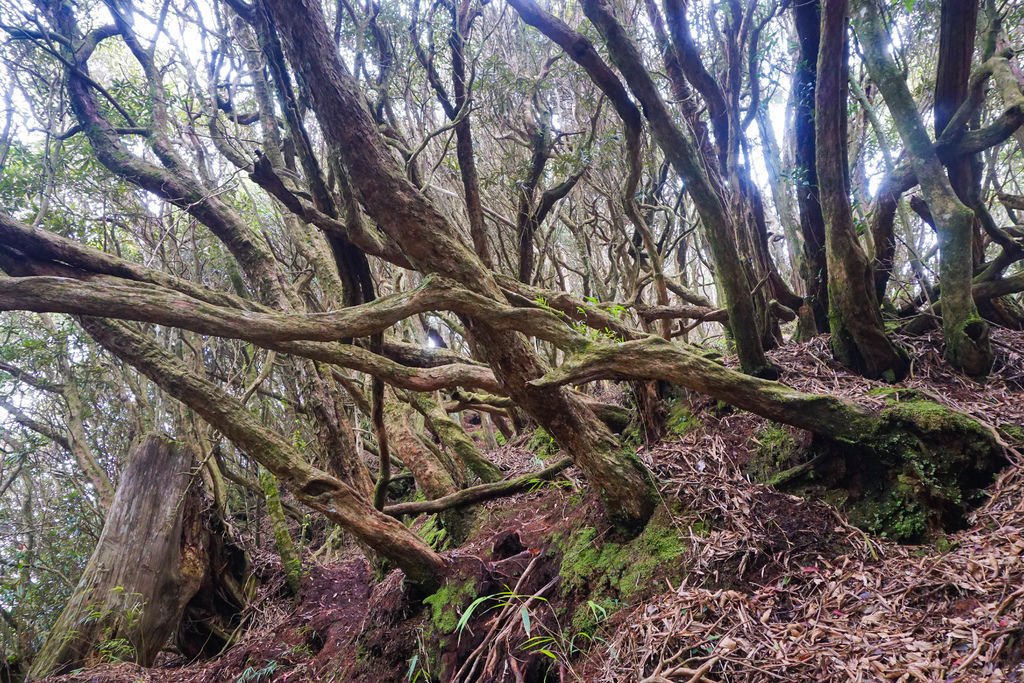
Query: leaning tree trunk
[434, 477]
[859, 340]
[152, 558]
[432, 245]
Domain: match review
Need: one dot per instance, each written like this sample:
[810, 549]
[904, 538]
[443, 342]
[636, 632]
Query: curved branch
[110, 297]
[654, 358]
[313, 487]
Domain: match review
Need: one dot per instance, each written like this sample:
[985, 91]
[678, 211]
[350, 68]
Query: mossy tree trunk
[453, 436]
[966, 333]
[859, 340]
[291, 561]
[151, 560]
[435, 479]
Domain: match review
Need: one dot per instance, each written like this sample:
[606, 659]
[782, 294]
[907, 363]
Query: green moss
[928, 416]
[434, 534]
[446, 605]
[899, 516]
[291, 561]
[701, 529]
[921, 471]
[1013, 433]
[619, 571]
[542, 444]
[680, 419]
[776, 451]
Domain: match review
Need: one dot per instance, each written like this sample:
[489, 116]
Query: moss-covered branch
[481, 493]
[313, 487]
[655, 358]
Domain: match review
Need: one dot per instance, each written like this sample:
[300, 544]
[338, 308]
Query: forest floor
[733, 581]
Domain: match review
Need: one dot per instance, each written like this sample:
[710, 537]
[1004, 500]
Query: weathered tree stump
[153, 558]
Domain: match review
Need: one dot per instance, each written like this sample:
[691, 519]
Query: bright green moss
[898, 516]
[776, 451]
[446, 605]
[921, 471]
[680, 419]
[613, 570]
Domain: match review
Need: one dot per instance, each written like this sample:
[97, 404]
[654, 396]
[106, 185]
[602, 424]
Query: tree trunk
[859, 340]
[311, 486]
[957, 28]
[432, 245]
[966, 333]
[152, 558]
[454, 437]
[807, 16]
[434, 478]
[291, 561]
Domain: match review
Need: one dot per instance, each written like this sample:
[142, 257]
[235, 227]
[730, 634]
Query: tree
[414, 222]
[859, 339]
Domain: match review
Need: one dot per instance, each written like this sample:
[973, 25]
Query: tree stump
[152, 559]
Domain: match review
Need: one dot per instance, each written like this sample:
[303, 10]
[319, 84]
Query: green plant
[116, 650]
[542, 444]
[501, 600]
[561, 646]
[419, 663]
[254, 675]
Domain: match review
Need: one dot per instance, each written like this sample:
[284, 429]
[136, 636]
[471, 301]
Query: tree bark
[681, 153]
[313, 487]
[432, 245]
[858, 338]
[807, 15]
[454, 437]
[435, 479]
[150, 561]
